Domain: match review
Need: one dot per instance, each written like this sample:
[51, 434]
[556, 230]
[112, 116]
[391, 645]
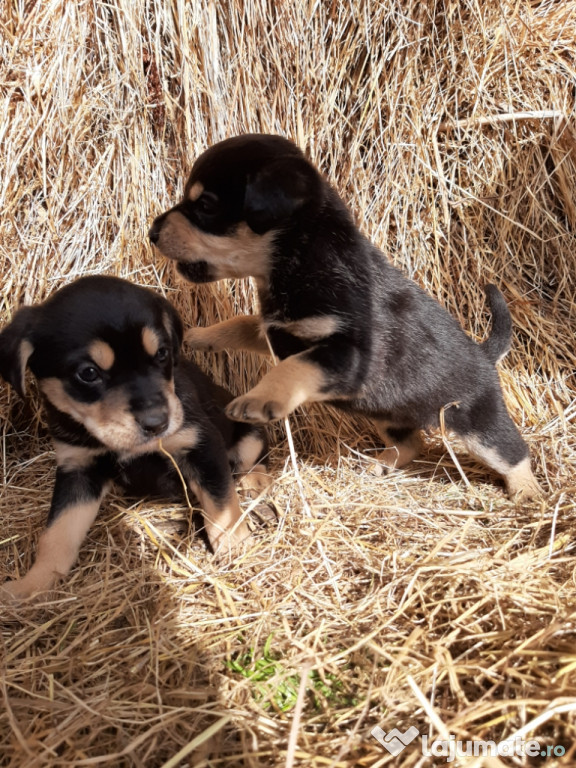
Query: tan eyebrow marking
[150, 340]
[195, 191]
[102, 354]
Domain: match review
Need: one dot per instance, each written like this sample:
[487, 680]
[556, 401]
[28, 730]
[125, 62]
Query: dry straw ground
[425, 598]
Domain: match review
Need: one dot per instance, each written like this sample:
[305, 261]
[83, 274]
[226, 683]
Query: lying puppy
[106, 356]
[348, 327]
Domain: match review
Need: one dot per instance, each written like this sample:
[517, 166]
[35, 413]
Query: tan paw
[200, 338]
[229, 543]
[395, 457]
[14, 591]
[376, 469]
[253, 410]
[257, 480]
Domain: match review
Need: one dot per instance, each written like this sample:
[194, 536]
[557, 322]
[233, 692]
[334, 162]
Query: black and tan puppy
[106, 356]
[348, 327]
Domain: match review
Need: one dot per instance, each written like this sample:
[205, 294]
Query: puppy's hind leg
[207, 471]
[402, 445]
[248, 458]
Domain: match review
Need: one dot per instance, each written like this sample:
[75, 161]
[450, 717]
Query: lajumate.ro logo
[395, 741]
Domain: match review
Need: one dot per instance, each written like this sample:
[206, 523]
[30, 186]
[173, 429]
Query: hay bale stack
[409, 600]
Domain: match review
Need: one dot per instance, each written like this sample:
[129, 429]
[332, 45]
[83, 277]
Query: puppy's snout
[150, 412]
[153, 421]
[154, 231]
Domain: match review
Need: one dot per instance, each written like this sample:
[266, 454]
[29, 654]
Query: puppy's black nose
[153, 421]
[154, 231]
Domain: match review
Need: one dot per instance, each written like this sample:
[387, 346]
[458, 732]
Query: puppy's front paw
[201, 338]
[257, 480]
[231, 544]
[377, 469]
[13, 591]
[254, 410]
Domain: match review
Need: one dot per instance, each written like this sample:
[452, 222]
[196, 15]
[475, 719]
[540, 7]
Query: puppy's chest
[144, 470]
[148, 475]
[150, 472]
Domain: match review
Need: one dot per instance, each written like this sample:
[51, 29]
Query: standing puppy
[116, 391]
[349, 328]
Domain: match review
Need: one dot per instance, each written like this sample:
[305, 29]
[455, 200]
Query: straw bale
[423, 598]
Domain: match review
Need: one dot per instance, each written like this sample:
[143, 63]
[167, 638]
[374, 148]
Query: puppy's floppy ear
[16, 347]
[278, 190]
[174, 327]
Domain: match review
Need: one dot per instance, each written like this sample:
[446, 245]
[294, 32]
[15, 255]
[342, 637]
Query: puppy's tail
[497, 345]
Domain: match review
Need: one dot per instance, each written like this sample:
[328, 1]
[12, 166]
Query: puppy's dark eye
[207, 204]
[163, 354]
[88, 374]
